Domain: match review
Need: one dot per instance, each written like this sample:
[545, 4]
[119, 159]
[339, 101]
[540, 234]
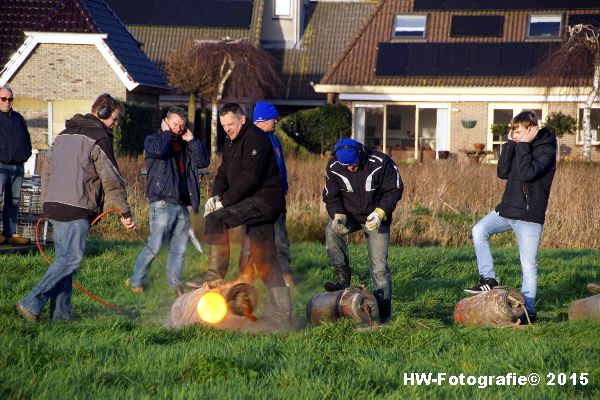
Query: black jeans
[258, 217]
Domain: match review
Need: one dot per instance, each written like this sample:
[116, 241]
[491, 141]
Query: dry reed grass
[442, 200]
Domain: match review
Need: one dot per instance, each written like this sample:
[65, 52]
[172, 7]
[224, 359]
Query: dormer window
[282, 9]
[544, 26]
[409, 26]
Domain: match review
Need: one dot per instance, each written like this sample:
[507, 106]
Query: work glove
[374, 219]
[339, 224]
[212, 204]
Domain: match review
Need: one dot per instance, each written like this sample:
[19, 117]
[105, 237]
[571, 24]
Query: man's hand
[128, 223]
[530, 134]
[339, 224]
[164, 126]
[212, 204]
[374, 219]
[188, 135]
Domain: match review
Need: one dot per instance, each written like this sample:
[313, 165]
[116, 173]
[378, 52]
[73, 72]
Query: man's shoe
[2, 238]
[134, 289]
[593, 287]
[532, 318]
[17, 239]
[484, 285]
[179, 291]
[26, 314]
[343, 275]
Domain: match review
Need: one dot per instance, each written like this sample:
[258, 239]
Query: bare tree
[184, 73]
[219, 68]
[573, 67]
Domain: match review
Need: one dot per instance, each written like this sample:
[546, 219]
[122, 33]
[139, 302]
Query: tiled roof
[159, 40]
[81, 16]
[95, 16]
[17, 16]
[328, 28]
[356, 64]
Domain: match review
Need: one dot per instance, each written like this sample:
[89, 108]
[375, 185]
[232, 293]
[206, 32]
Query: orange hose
[81, 288]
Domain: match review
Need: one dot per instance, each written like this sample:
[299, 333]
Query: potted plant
[500, 132]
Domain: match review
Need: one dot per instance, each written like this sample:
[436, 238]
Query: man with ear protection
[362, 189]
[80, 171]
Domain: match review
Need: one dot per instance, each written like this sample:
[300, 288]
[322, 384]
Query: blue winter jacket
[161, 164]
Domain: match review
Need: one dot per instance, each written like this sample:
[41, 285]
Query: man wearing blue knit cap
[265, 117]
[362, 188]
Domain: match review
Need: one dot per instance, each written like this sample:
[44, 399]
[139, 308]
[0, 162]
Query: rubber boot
[279, 311]
[218, 263]
[343, 275]
[384, 305]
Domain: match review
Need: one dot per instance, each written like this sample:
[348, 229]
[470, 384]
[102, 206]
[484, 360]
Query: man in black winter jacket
[15, 149]
[172, 157]
[528, 163]
[362, 189]
[247, 191]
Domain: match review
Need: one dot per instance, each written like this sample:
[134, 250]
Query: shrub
[562, 124]
[137, 122]
[318, 129]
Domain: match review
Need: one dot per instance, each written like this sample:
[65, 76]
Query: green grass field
[103, 354]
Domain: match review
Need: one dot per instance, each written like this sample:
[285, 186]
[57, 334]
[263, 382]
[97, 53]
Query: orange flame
[212, 307]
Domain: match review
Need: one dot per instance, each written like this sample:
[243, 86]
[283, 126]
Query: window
[409, 26]
[282, 9]
[541, 26]
[595, 126]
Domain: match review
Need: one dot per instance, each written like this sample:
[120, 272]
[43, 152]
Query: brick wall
[63, 71]
[462, 138]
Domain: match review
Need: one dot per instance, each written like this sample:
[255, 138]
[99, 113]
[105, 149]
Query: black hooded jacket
[15, 143]
[376, 184]
[249, 169]
[529, 170]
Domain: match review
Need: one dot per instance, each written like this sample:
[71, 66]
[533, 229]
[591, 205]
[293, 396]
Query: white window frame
[516, 108]
[283, 13]
[545, 18]
[409, 17]
[579, 134]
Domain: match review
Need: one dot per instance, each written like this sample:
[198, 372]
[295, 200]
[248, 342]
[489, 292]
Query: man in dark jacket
[80, 170]
[362, 189]
[247, 191]
[172, 156]
[265, 117]
[528, 163]
[15, 149]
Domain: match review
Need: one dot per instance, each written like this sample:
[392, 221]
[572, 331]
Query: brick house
[428, 78]
[59, 55]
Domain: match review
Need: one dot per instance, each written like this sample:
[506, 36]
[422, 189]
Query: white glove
[339, 224]
[374, 219]
[212, 204]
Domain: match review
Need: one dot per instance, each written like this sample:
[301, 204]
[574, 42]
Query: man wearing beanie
[15, 149]
[265, 117]
[362, 188]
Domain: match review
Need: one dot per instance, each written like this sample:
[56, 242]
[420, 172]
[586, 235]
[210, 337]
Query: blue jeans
[56, 284]
[167, 221]
[11, 178]
[528, 236]
[378, 242]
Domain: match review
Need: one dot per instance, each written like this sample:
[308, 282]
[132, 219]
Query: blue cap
[264, 111]
[346, 151]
